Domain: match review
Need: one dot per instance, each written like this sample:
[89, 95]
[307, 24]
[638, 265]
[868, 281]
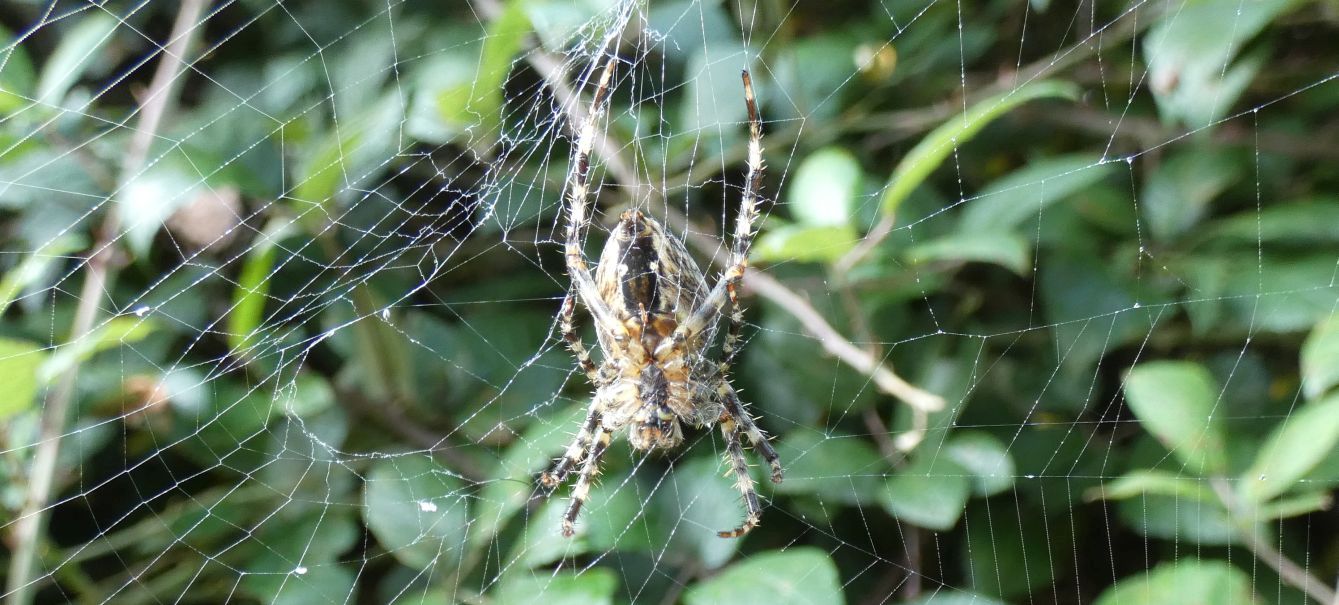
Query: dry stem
[31, 520]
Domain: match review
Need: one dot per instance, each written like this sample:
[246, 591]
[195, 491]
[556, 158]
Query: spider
[655, 320]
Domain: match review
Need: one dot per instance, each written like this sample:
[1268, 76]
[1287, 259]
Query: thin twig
[27, 533]
[1290, 571]
[838, 346]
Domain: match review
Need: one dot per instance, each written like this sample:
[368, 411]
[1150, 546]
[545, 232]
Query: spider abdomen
[648, 279]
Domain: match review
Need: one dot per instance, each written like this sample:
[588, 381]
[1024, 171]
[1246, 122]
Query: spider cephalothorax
[655, 320]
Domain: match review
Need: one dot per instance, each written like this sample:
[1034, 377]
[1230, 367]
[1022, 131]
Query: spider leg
[724, 291]
[581, 491]
[748, 214]
[574, 340]
[735, 410]
[555, 476]
[578, 197]
[740, 467]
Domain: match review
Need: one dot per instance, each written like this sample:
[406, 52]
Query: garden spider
[655, 319]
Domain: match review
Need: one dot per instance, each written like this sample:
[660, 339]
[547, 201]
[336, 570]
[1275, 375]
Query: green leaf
[789, 243]
[542, 442]
[253, 285]
[593, 586]
[79, 48]
[985, 458]
[1007, 250]
[19, 363]
[1303, 222]
[1144, 482]
[825, 188]
[328, 583]
[113, 333]
[347, 156]
[927, 155]
[844, 468]
[701, 500]
[954, 597]
[33, 267]
[1177, 195]
[1178, 519]
[1028, 191]
[802, 576]
[1294, 506]
[1296, 445]
[478, 101]
[16, 74]
[1190, 54]
[1176, 401]
[417, 510]
[1320, 358]
[931, 492]
[1183, 582]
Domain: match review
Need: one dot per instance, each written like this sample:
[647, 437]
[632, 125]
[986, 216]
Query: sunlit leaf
[1142, 482]
[112, 333]
[80, 47]
[589, 587]
[798, 575]
[1298, 443]
[19, 363]
[1320, 358]
[478, 102]
[1294, 506]
[33, 267]
[927, 155]
[17, 76]
[1176, 402]
[1190, 581]
[253, 284]
[785, 243]
[825, 188]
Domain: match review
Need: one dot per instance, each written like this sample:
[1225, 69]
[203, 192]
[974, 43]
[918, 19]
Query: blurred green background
[295, 341]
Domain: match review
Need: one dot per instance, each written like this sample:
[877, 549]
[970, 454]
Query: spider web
[293, 339]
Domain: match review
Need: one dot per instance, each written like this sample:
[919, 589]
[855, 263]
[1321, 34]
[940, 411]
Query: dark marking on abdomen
[641, 283]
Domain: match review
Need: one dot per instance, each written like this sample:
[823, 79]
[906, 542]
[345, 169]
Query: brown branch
[31, 520]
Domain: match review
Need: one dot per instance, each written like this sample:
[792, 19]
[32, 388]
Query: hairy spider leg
[578, 196]
[724, 290]
[748, 215]
[734, 408]
[573, 339]
[554, 477]
[582, 282]
[740, 467]
[581, 492]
